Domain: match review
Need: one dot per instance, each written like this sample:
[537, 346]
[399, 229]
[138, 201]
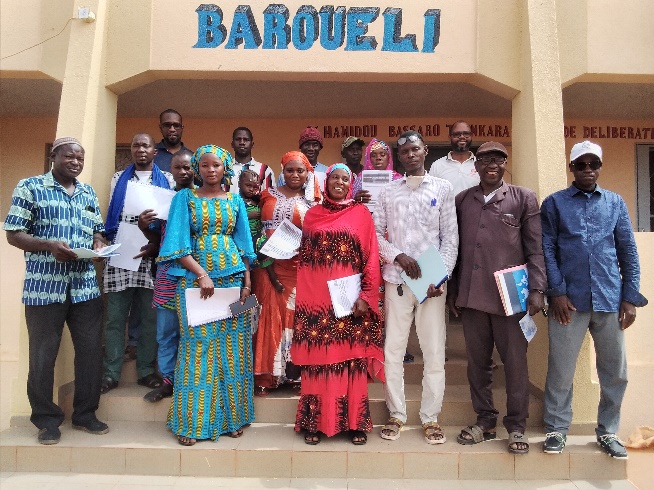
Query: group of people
[578, 249]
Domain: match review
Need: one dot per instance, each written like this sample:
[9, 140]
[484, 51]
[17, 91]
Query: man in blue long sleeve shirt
[593, 279]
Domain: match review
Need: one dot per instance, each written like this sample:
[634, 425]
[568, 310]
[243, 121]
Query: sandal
[518, 443]
[186, 441]
[474, 434]
[236, 434]
[261, 391]
[158, 394]
[152, 381]
[391, 431]
[311, 438]
[359, 438]
[433, 433]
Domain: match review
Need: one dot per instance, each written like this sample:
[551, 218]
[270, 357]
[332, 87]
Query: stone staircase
[139, 442]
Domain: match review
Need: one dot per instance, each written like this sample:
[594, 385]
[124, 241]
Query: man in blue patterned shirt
[593, 277]
[51, 215]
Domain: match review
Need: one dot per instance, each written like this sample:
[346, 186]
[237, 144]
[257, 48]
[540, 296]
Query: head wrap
[339, 166]
[376, 144]
[66, 140]
[310, 134]
[224, 157]
[311, 189]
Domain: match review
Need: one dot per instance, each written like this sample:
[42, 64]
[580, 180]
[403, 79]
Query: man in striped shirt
[413, 213]
[51, 215]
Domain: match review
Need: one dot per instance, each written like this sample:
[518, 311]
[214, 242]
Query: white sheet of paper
[140, 197]
[344, 291]
[284, 242]
[131, 240]
[89, 253]
[528, 326]
[373, 181]
[200, 311]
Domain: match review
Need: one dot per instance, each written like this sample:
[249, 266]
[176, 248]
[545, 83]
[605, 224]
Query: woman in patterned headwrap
[208, 239]
[337, 354]
[272, 343]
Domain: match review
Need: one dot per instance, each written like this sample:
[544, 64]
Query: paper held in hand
[140, 197]
[284, 242]
[201, 311]
[528, 326]
[104, 252]
[373, 181]
[344, 293]
[433, 271]
[131, 240]
[513, 285]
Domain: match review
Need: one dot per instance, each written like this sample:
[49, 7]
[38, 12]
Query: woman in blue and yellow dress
[208, 238]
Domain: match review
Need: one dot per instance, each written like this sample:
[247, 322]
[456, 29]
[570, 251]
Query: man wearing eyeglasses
[171, 127]
[458, 166]
[499, 228]
[593, 276]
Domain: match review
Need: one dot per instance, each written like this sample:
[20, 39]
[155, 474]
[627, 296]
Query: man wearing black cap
[352, 152]
[51, 215]
[499, 228]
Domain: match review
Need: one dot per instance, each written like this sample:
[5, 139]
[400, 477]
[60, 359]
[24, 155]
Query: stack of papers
[344, 293]
[284, 242]
[202, 311]
[88, 253]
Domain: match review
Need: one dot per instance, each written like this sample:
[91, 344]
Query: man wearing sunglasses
[593, 278]
[499, 228]
[171, 127]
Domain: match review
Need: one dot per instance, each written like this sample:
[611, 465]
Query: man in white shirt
[458, 166]
[412, 213]
[242, 143]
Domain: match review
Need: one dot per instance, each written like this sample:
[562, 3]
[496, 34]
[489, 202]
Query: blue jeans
[168, 340]
[611, 363]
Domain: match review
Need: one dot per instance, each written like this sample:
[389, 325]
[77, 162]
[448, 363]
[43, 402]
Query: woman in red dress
[337, 355]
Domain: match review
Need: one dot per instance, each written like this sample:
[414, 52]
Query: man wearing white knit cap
[51, 215]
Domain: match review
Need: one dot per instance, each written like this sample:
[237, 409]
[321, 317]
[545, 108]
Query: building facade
[536, 76]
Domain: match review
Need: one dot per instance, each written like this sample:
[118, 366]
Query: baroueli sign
[331, 28]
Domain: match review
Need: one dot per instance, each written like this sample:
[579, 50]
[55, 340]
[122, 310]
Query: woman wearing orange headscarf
[272, 342]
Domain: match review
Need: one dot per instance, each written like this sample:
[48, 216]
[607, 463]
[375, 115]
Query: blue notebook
[433, 271]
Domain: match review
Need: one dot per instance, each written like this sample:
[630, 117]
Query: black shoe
[164, 391]
[151, 380]
[612, 445]
[554, 443]
[108, 384]
[93, 426]
[49, 435]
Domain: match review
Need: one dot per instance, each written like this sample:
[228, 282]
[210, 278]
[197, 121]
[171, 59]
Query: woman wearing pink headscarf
[379, 156]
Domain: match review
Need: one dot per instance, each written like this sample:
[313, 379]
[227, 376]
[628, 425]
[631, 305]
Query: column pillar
[539, 162]
[87, 111]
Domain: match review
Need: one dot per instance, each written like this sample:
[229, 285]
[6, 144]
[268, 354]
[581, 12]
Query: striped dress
[213, 385]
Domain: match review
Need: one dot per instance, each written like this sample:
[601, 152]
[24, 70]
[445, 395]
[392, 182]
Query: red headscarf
[312, 190]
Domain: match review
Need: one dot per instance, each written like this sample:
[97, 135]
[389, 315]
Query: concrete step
[455, 370]
[126, 403]
[276, 451]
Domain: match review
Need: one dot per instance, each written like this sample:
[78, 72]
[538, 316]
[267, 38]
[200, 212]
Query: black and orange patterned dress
[337, 355]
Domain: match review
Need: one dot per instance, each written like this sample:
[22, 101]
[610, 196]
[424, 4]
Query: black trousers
[45, 324]
[481, 331]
